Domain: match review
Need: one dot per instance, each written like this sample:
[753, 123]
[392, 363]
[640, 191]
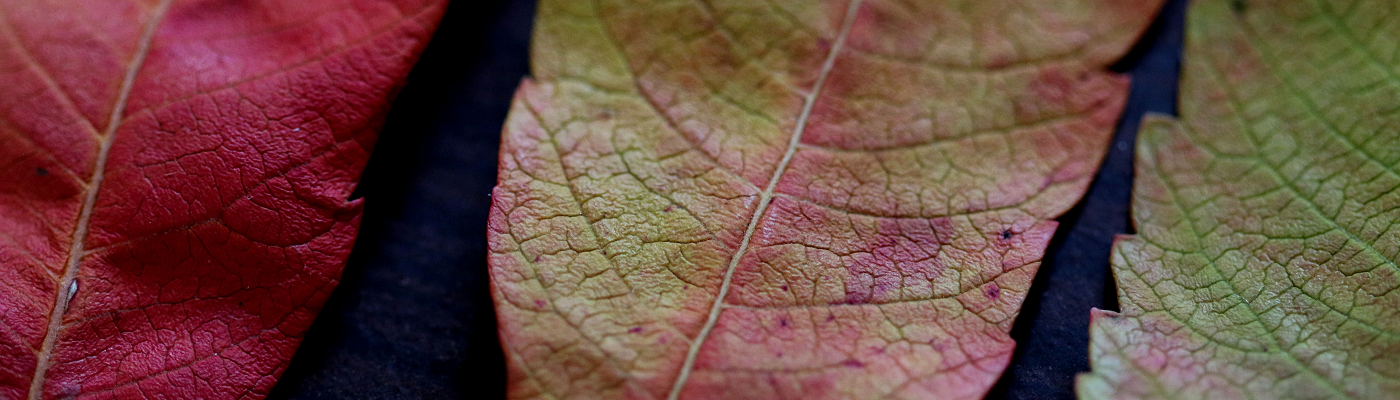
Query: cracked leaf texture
[739, 199]
[173, 184]
[1265, 261]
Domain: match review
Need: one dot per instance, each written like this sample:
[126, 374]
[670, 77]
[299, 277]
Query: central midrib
[67, 285]
[765, 198]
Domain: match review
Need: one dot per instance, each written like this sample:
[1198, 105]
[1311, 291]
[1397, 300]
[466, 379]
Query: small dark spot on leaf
[785, 288]
[1239, 7]
[41, 171]
[539, 303]
[831, 317]
[1007, 234]
[852, 363]
[993, 291]
[783, 321]
[607, 114]
[537, 258]
[670, 207]
[636, 329]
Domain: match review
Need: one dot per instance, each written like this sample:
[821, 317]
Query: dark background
[412, 317]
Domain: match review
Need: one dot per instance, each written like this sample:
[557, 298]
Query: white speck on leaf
[72, 290]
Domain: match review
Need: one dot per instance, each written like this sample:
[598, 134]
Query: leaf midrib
[765, 198]
[67, 285]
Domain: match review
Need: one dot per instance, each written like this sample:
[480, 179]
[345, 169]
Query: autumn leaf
[1265, 261]
[734, 199]
[173, 204]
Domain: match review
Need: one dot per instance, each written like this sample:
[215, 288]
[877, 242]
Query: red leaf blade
[178, 210]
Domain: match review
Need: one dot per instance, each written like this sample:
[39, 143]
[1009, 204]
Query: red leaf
[173, 212]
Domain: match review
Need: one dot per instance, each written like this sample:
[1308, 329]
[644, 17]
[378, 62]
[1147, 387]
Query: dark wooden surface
[412, 317]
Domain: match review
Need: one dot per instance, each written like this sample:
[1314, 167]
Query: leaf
[173, 210]
[733, 199]
[1265, 260]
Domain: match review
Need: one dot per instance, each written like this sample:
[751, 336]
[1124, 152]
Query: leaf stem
[765, 198]
[67, 286]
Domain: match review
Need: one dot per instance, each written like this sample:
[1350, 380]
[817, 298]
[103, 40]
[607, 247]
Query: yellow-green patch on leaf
[1268, 216]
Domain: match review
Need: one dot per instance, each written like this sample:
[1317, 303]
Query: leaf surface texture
[783, 199]
[1265, 260]
[173, 207]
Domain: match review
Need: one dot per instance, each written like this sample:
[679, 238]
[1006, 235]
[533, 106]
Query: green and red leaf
[836, 199]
